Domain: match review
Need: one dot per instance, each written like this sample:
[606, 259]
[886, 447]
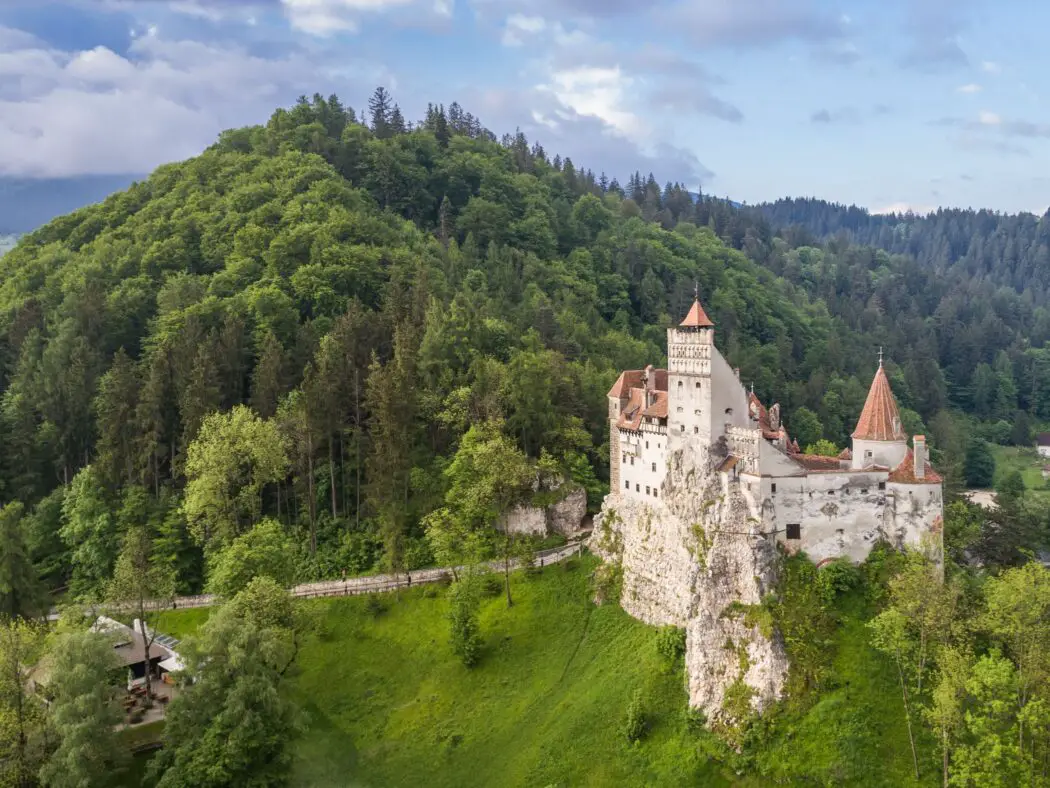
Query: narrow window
[794, 531]
[729, 411]
[654, 467]
[683, 428]
[696, 430]
[654, 493]
[864, 491]
[637, 488]
[632, 460]
[698, 384]
[624, 458]
[882, 485]
[679, 384]
[627, 484]
[773, 487]
[647, 444]
[647, 490]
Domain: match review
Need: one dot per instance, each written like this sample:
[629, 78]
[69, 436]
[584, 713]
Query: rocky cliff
[696, 560]
[560, 510]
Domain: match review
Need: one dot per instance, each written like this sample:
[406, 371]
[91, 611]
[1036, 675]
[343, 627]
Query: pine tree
[379, 110]
[156, 421]
[20, 593]
[445, 220]
[115, 408]
[397, 121]
[269, 379]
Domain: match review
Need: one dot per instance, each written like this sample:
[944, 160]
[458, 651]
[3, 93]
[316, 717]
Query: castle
[827, 506]
[706, 482]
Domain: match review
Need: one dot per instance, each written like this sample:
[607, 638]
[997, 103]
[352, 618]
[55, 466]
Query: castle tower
[879, 438]
[689, 350]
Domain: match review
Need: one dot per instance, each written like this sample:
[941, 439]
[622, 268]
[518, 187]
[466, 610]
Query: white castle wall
[643, 463]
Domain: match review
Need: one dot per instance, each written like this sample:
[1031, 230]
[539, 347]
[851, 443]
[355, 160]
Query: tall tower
[689, 396]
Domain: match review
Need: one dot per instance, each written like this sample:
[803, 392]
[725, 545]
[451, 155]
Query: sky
[888, 104]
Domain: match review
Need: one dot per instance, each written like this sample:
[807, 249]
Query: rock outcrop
[560, 510]
[696, 559]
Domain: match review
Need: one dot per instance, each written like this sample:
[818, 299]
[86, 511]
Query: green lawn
[386, 704]
[1028, 462]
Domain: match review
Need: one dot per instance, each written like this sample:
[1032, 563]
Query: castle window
[624, 458]
[637, 488]
[696, 412]
[882, 485]
[647, 490]
[698, 384]
[647, 444]
[683, 428]
[654, 493]
[632, 460]
[773, 487]
[679, 408]
[831, 492]
[864, 491]
[696, 430]
[729, 411]
[794, 530]
[679, 384]
[627, 484]
[654, 467]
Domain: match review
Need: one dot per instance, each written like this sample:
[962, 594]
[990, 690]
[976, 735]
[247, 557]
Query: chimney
[919, 444]
[736, 371]
[647, 377]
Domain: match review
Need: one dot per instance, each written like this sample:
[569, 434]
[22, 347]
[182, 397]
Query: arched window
[698, 384]
[729, 411]
[680, 384]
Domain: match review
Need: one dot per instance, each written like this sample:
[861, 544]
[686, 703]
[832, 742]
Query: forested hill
[354, 297]
[1012, 250]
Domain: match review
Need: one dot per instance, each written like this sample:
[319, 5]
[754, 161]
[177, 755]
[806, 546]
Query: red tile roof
[697, 317]
[818, 462]
[905, 472]
[845, 454]
[880, 420]
[658, 409]
[632, 378]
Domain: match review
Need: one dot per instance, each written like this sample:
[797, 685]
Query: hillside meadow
[386, 703]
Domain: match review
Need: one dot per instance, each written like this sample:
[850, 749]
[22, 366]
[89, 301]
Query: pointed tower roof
[697, 317]
[881, 419]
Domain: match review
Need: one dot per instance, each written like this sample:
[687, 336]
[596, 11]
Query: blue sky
[884, 104]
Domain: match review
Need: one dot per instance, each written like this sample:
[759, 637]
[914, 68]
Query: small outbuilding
[1042, 444]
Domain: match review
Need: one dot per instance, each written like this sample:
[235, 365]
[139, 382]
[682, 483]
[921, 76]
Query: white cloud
[970, 88]
[904, 207]
[326, 17]
[598, 93]
[519, 27]
[987, 118]
[990, 67]
[98, 112]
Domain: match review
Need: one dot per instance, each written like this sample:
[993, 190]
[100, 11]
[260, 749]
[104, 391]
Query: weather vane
[696, 290]
[880, 355]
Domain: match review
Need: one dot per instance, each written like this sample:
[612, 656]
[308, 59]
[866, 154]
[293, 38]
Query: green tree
[979, 465]
[20, 591]
[23, 739]
[234, 725]
[823, 448]
[805, 427]
[89, 529]
[264, 551]
[144, 584]
[464, 624]
[84, 711]
[115, 407]
[230, 463]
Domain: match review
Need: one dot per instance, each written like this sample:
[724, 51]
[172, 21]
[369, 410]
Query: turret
[879, 438]
[689, 350]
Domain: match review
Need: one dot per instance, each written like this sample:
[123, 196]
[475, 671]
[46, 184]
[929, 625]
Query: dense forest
[305, 320]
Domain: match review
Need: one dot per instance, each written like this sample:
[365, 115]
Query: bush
[606, 581]
[670, 644]
[375, 606]
[837, 577]
[418, 554]
[635, 723]
[463, 620]
[491, 585]
[694, 718]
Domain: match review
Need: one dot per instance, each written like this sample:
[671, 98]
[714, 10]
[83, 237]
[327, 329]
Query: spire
[881, 419]
[697, 317]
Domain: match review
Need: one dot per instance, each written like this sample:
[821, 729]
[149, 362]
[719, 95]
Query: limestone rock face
[563, 515]
[694, 558]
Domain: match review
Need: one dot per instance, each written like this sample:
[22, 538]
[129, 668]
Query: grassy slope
[386, 704]
[1028, 462]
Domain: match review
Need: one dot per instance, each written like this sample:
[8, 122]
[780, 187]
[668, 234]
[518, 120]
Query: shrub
[670, 644]
[491, 585]
[463, 620]
[694, 718]
[374, 606]
[837, 577]
[635, 723]
[606, 581]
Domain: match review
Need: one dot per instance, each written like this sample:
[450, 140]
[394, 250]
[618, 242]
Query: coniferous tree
[20, 593]
[115, 408]
[379, 110]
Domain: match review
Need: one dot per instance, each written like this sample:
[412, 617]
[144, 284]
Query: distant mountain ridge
[28, 203]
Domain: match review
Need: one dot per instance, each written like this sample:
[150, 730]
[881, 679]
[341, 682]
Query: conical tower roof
[881, 419]
[697, 317]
